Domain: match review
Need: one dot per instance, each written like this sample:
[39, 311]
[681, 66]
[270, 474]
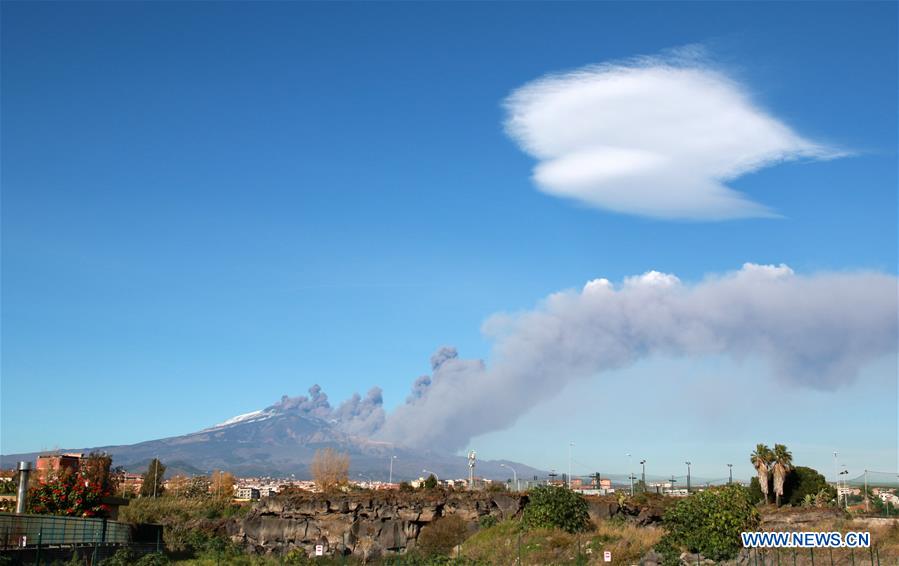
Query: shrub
[442, 536]
[556, 507]
[709, 522]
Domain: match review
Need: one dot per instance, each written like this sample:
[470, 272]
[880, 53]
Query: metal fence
[32, 530]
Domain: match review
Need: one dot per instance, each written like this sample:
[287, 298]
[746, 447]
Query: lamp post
[688, 477]
[730, 474]
[845, 472]
[643, 474]
[514, 476]
[390, 477]
[570, 445]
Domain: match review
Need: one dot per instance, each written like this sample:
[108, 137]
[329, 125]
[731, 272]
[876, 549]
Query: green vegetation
[709, 522]
[189, 524]
[501, 544]
[556, 507]
[75, 493]
[153, 479]
[805, 486]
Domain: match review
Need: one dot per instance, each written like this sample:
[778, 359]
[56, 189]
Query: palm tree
[783, 463]
[761, 459]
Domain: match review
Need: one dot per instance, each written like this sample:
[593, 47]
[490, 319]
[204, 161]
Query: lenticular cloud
[652, 137]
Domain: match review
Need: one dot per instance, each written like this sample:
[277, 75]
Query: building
[888, 497]
[246, 492]
[57, 463]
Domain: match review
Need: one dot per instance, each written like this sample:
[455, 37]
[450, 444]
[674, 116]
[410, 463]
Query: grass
[499, 544]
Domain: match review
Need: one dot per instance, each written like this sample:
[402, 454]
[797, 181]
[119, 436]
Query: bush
[709, 522]
[556, 507]
[442, 536]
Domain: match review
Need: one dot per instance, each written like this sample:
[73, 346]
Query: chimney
[24, 472]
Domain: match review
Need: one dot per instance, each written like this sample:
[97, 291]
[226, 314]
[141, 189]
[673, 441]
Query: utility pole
[688, 477]
[155, 476]
[390, 477]
[730, 474]
[866, 491]
[643, 474]
[570, 444]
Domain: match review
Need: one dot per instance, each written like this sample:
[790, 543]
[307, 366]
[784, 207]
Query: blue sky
[206, 206]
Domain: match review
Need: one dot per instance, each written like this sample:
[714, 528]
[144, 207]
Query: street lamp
[570, 444]
[730, 474]
[688, 477]
[643, 474]
[390, 477]
[514, 476]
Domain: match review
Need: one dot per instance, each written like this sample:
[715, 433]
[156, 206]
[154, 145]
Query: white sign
[607, 556]
[319, 550]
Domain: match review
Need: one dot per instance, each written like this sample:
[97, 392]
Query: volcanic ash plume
[814, 331]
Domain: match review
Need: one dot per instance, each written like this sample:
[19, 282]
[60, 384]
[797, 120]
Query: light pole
[630, 471]
[845, 472]
[436, 477]
[570, 445]
[514, 476]
[155, 476]
[390, 477]
[730, 474]
[688, 477]
[643, 474]
[836, 478]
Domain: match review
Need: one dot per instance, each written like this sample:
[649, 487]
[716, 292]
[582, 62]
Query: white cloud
[654, 137]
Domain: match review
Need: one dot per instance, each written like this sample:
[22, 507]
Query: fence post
[37, 557]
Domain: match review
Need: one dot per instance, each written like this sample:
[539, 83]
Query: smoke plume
[814, 331]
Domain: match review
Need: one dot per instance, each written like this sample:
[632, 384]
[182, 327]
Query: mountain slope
[281, 442]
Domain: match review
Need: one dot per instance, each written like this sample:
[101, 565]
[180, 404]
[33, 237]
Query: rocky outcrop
[365, 525]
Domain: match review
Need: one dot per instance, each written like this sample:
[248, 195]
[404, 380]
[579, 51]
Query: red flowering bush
[70, 494]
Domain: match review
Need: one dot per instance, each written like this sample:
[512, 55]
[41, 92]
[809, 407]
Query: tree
[556, 507]
[197, 488]
[221, 484]
[782, 464]
[330, 468]
[761, 459]
[153, 485]
[97, 469]
[431, 482]
[709, 522]
[805, 486]
[66, 492]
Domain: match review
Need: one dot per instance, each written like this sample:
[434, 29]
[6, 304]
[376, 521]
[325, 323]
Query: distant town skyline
[209, 206]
